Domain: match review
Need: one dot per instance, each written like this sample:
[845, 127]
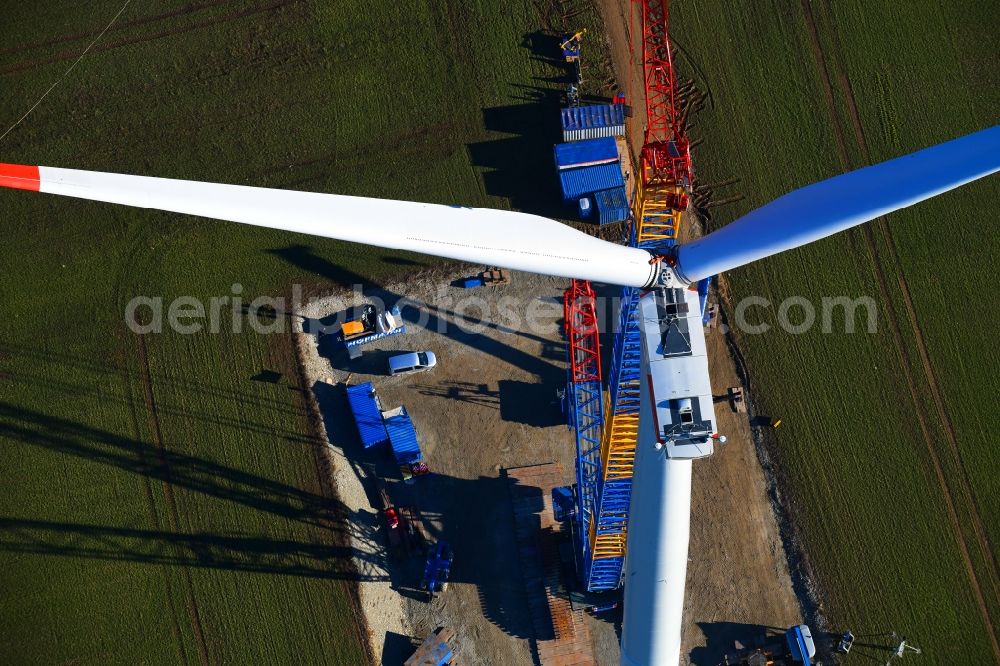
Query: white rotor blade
[824, 208]
[477, 235]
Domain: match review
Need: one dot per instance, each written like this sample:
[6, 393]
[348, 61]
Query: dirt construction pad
[491, 404]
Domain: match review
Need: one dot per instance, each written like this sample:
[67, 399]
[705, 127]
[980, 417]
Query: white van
[402, 364]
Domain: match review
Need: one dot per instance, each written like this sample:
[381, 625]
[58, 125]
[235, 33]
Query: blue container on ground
[612, 205]
[403, 438]
[585, 153]
[367, 415]
[580, 182]
[469, 283]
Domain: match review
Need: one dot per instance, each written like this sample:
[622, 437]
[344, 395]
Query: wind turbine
[677, 416]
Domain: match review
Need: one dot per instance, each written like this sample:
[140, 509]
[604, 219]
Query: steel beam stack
[583, 395]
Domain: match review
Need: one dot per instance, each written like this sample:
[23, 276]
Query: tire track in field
[172, 513]
[911, 313]
[175, 625]
[71, 55]
[122, 25]
[881, 223]
[123, 363]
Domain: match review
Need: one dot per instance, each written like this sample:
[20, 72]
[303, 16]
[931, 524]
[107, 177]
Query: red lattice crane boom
[666, 155]
[580, 317]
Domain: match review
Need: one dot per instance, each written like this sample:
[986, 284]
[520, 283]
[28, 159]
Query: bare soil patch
[491, 404]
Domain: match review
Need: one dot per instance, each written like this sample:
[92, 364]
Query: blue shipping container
[612, 205]
[367, 415]
[585, 153]
[577, 183]
[403, 438]
[592, 121]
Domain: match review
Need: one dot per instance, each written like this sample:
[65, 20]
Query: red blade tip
[19, 177]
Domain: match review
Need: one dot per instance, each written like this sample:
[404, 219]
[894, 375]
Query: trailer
[413, 528]
[435, 650]
[367, 411]
[369, 327]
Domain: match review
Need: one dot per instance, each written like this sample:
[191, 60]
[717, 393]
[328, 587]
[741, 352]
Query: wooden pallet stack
[561, 636]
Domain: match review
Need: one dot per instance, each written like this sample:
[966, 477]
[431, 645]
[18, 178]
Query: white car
[404, 364]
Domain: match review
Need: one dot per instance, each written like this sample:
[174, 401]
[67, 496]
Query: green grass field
[888, 442]
[158, 505]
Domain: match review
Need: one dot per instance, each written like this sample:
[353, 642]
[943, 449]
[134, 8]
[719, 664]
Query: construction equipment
[902, 648]
[571, 53]
[369, 327]
[438, 568]
[793, 648]
[846, 643]
[392, 524]
[571, 45]
[393, 527]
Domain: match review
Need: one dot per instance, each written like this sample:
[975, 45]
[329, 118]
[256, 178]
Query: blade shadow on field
[457, 327]
[329, 557]
[215, 551]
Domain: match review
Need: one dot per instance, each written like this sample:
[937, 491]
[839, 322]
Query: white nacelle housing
[677, 374]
